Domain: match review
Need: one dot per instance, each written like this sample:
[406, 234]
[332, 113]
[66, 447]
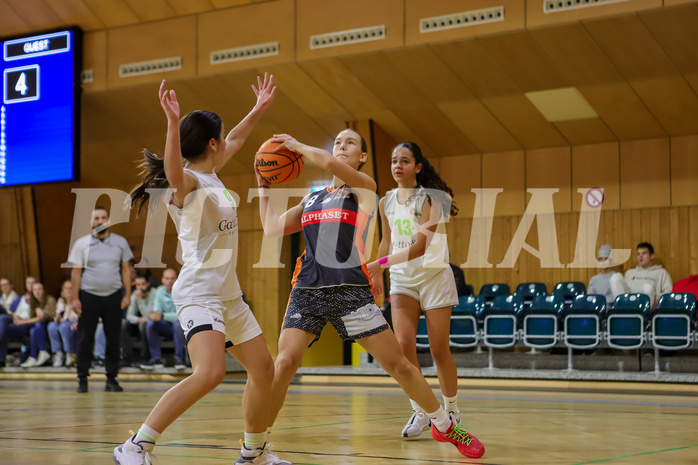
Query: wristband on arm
[384, 262]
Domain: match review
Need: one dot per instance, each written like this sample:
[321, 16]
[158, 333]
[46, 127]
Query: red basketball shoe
[467, 444]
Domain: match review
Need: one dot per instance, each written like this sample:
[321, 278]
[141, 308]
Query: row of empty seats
[569, 318]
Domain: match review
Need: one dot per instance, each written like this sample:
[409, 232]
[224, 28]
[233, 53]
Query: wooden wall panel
[76, 12]
[462, 174]
[253, 24]
[525, 61]
[620, 108]
[416, 10]
[551, 168]
[645, 174]
[12, 264]
[315, 17]
[524, 121]
[503, 171]
[35, 14]
[164, 39]
[596, 165]
[480, 126]
[94, 57]
[535, 16]
[585, 131]
[670, 229]
[113, 14]
[684, 166]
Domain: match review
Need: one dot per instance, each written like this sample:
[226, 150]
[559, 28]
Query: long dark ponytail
[196, 129]
[429, 178]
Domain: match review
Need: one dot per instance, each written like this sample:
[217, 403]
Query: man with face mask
[101, 274]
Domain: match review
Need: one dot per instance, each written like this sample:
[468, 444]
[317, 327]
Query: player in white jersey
[414, 247]
[207, 295]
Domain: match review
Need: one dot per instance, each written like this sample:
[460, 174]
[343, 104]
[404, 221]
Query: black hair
[428, 177]
[646, 245]
[196, 129]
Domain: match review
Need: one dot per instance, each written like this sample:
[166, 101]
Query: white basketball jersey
[207, 228]
[404, 220]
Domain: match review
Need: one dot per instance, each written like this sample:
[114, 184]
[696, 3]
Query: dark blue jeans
[155, 329]
[11, 332]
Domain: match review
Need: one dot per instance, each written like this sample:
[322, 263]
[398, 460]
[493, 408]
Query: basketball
[278, 165]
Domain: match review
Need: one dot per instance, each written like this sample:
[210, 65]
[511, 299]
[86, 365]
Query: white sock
[415, 406]
[451, 403]
[440, 420]
[146, 433]
[255, 440]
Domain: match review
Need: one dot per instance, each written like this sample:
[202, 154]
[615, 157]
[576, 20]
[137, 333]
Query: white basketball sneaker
[418, 422]
[259, 456]
[134, 453]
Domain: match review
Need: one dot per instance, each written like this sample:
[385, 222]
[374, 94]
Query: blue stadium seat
[528, 291]
[672, 324]
[490, 291]
[539, 321]
[625, 324]
[582, 323]
[464, 328]
[499, 329]
[673, 321]
[569, 290]
[422, 336]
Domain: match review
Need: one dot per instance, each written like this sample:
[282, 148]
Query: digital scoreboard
[40, 113]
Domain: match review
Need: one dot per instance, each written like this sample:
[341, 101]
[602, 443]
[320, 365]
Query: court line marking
[636, 455]
[401, 394]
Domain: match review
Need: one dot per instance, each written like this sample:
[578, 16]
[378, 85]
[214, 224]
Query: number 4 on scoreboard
[21, 84]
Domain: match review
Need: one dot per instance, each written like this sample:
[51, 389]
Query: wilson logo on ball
[278, 165]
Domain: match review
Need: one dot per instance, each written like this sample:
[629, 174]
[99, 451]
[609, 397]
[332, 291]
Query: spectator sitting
[647, 278]
[163, 322]
[461, 287]
[63, 330]
[137, 317]
[43, 309]
[19, 312]
[601, 283]
[8, 295]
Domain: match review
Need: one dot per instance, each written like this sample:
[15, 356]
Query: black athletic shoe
[82, 385]
[112, 386]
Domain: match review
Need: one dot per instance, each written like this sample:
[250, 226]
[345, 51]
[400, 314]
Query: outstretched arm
[265, 92]
[325, 161]
[181, 181]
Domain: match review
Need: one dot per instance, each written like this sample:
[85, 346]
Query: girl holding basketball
[207, 294]
[331, 283]
[420, 276]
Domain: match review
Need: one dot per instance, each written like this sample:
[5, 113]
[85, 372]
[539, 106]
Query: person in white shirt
[8, 294]
[646, 278]
[207, 295]
[14, 325]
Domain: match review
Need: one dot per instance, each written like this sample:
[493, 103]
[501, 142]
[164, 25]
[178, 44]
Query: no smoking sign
[594, 197]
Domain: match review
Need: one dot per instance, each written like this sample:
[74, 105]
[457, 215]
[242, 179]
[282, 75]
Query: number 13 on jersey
[21, 84]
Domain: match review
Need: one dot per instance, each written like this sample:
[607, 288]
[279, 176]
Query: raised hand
[265, 91]
[169, 103]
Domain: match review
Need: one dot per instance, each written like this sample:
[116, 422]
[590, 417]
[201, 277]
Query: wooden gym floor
[357, 420]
